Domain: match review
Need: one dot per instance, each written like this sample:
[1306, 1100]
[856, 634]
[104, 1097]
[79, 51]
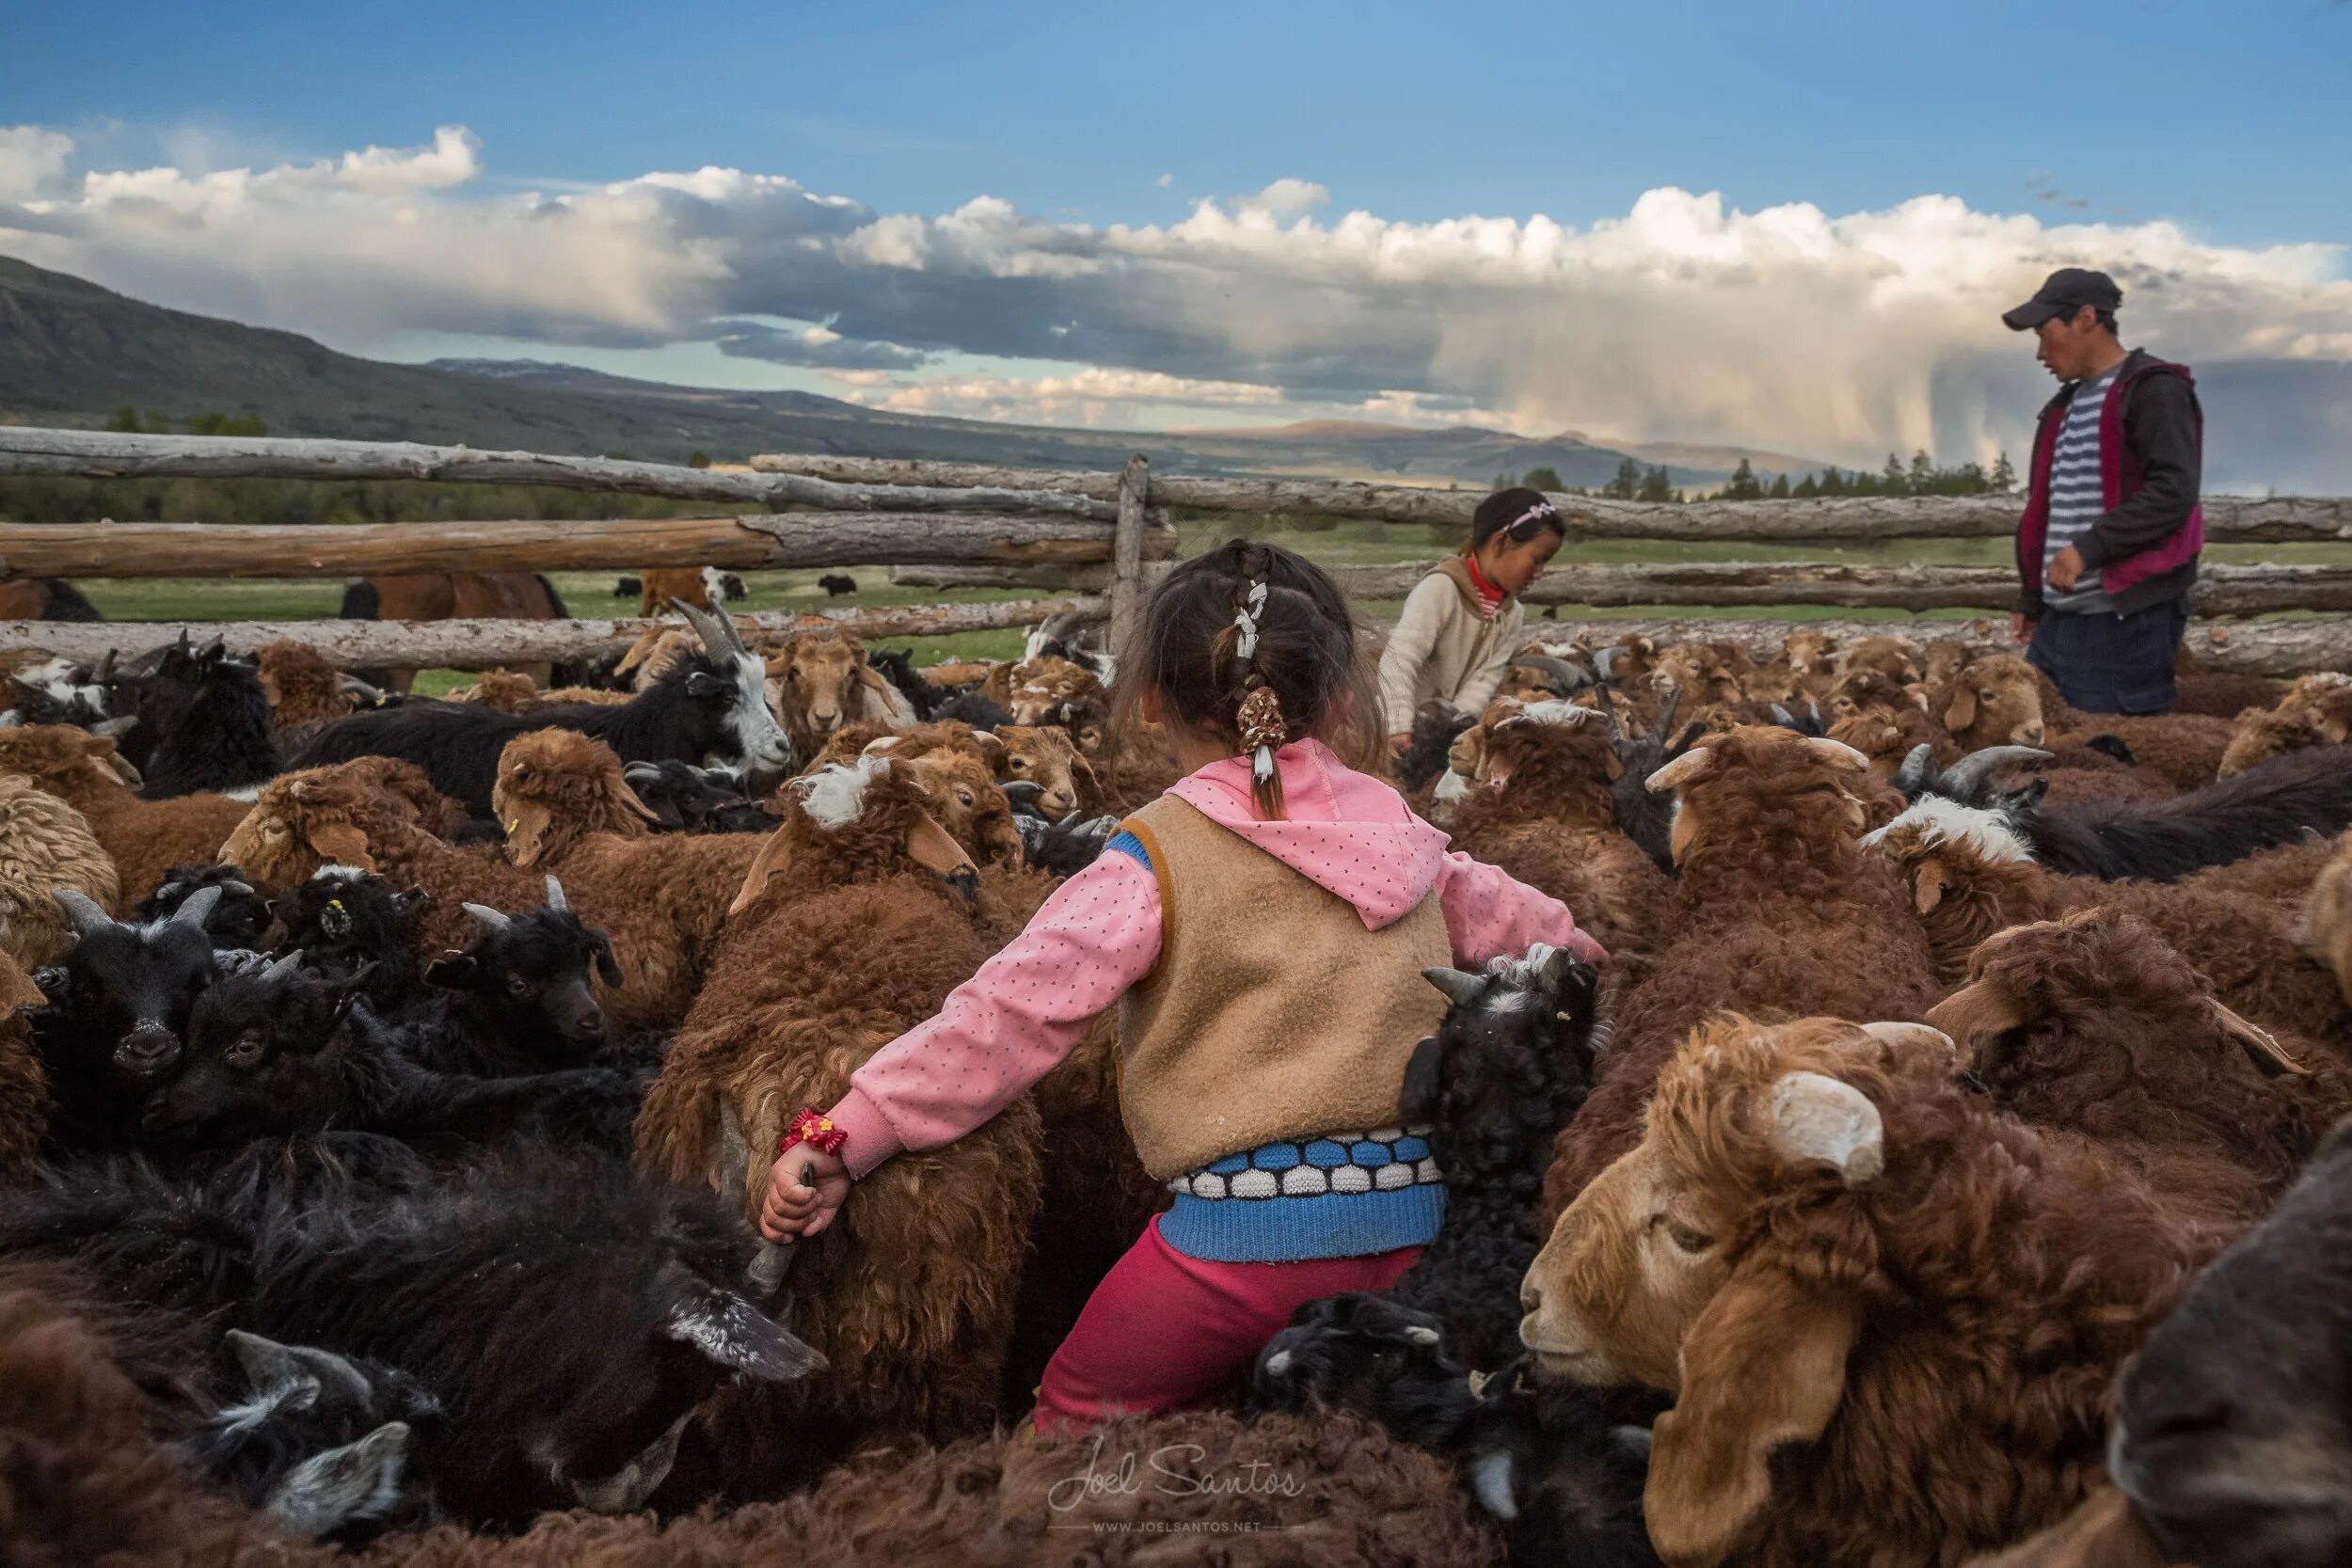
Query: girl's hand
[1400, 742]
[805, 1191]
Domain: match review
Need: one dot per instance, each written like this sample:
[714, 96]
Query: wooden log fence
[482, 644]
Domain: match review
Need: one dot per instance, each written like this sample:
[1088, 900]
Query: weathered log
[761, 542]
[109, 454]
[2257, 648]
[2221, 588]
[480, 644]
[2229, 520]
[1076, 580]
[1127, 541]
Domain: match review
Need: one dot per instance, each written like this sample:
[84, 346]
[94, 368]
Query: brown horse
[43, 599]
[703, 587]
[455, 595]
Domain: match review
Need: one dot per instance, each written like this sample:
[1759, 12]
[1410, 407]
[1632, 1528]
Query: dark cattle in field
[837, 584]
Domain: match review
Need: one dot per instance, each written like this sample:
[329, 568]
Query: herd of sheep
[1941, 1168]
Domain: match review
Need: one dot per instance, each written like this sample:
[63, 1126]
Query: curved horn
[277, 969]
[84, 915]
[1836, 754]
[490, 920]
[1818, 1117]
[1022, 792]
[1693, 764]
[1668, 706]
[1605, 662]
[104, 670]
[636, 770]
[1576, 676]
[196, 909]
[555, 894]
[720, 638]
[352, 685]
[241, 889]
[1966, 776]
[1917, 768]
[1781, 717]
[1459, 988]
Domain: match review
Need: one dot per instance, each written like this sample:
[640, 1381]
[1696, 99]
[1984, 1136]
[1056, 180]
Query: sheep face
[2262, 733]
[813, 682]
[128, 988]
[1895, 658]
[254, 1065]
[1717, 1261]
[964, 799]
[1995, 702]
[1366, 1351]
[530, 973]
[66, 760]
[1808, 654]
[299, 823]
[556, 786]
[1557, 750]
[2234, 1437]
[1040, 686]
[239, 919]
[1044, 757]
[342, 918]
[1970, 874]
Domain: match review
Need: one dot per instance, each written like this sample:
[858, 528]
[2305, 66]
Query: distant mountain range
[72, 352]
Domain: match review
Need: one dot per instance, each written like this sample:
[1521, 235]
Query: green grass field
[1336, 541]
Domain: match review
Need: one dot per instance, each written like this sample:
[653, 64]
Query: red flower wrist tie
[817, 1130]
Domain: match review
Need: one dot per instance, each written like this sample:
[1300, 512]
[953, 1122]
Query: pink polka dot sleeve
[1006, 1026]
[1488, 913]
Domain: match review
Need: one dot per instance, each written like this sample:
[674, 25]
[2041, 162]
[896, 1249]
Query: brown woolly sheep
[2217, 694]
[2325, 931]
[2316, 711]
[2091, 1024]
[23, 1088]
[854, 929]
[1539, 807]
[303, 689]
[1777, 910]
[1993, 701]
[1895, 658]
[1890, 1316]
[144, 838]
[2185, 749]
[1971, 876]
[44, 843]
[818, 681]
[1032, 690]
[2102, 1533]
[350, 814]
[1798, 672]
[506, 691]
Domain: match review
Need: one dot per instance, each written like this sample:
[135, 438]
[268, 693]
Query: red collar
[1488, 595]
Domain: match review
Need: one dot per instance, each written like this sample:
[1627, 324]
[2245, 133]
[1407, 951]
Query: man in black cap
[2107, 546]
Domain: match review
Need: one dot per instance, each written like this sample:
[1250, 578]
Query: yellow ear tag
[517, 823]
[334, 903]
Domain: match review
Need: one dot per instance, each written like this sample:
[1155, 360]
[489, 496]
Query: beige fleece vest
[1271, 1013]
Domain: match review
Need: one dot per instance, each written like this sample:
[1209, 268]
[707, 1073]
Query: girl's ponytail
[1258, 719]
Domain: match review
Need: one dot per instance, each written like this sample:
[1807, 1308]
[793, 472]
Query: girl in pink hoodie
[1261, 928]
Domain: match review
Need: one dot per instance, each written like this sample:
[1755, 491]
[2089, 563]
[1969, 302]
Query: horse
[455, 595]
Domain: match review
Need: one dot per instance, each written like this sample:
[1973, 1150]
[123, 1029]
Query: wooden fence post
[1134, 488]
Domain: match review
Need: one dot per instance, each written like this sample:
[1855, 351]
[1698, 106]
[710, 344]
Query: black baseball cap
[2063, 292]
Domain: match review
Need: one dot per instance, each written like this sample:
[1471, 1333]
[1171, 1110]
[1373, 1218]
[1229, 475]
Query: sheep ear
[607, 966]
[273, 1370]
[928, 845]
[527, 832]
[453, 971]
[625, 798]
[1961, 711]
[774, 857]
[341, 842]
[359, 1481]
[1928, 886]
[733, 1333]
[1611, 766]
[2259, 1043]
[1692, 765]
[1764, 1365]
[17, 988]
[1467, 751]
[1418, 1100]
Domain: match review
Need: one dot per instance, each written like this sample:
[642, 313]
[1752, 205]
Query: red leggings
[1164, 1331]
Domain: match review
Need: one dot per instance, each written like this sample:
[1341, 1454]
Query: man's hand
[805, 1191]
[2020, 630]
[2066, 569]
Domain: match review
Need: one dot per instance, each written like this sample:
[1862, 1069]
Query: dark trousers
[2108, 663]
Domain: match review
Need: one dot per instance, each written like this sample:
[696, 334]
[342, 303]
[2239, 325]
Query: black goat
[567, 1317]
[1063, 847]
[970, 707]
[899, 670]
[837, 584]
[275, 1052]
[58, 692]
[1425, 756]
[117, 1015]
[348, 923]
[2233, 1438]
[711, 706]
[518, 999]
[685, 798]
[209, 718]
[2271, 803]
[240, 918]
[1645, 818]
[1508, 1068]
[319, 1441]
[1564, 1478]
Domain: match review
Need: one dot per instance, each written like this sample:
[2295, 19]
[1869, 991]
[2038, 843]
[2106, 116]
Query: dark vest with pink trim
[2122, 473]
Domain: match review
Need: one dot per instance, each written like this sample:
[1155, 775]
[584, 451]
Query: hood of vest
[1346, 832]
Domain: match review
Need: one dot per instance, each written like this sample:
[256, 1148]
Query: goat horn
[277, 969]
[195, 907]
[488, 918]
[1816, 1117]
[352, 685]
[104, 670]
[1966, 776]
[1021, 792]
[1781, 717]
[1605, 662]
[86, 916]
[111, 729]
[1459, 988]
[241, 889]
[1911, 778]
[1668, 706]
[636, 770]
[555, 894]
[720, 638]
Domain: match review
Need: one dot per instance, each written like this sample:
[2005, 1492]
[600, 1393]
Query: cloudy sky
[1790, 227]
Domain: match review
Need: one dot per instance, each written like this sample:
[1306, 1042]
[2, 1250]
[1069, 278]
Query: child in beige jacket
[1463, 622]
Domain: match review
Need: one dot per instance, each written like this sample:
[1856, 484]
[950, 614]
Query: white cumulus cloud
[31, 160]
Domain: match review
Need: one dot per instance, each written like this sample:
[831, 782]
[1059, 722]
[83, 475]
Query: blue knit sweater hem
[1293, 1229]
